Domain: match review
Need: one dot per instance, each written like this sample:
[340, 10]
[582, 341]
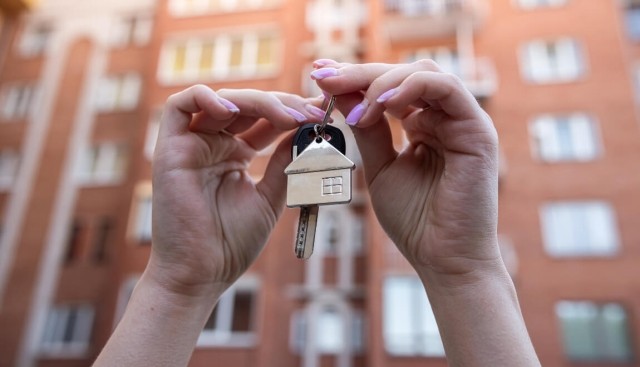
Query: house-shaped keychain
[319, 175]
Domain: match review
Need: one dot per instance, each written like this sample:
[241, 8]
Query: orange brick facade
[66, 242]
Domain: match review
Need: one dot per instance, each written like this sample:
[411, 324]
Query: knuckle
[427, 64]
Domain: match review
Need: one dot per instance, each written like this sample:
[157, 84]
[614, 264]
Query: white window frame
[595, 314]
[349, 227]
[118, 92]
[9, 166]
[565, 137]
[416, 316]
[567, 63]
[52, 344]
[153, 129]
[222, 335]
[632, 6]
[35, 38]
[124, 295]
[103, 163]
[131, 30]
[536, 4]
[222, 70]
[140, 224]
[446, 57]
[192, 8]
[16, 100]
[579, 229]
[299, 331]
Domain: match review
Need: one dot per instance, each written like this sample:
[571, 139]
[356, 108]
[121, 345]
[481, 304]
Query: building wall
[37, 270]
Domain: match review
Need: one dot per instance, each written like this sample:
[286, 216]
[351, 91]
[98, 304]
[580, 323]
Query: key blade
[306, 231]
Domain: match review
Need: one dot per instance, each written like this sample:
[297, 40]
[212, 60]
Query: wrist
[178, 285]
[480, 275]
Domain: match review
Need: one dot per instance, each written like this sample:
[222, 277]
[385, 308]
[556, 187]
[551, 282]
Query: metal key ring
[319, 129]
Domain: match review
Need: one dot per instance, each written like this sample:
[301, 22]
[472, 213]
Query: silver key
[319, 175]
[306, 234]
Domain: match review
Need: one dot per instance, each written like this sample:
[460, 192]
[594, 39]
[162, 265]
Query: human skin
[437, 200]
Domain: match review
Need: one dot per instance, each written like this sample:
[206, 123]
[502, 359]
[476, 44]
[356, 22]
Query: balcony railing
[415, 19]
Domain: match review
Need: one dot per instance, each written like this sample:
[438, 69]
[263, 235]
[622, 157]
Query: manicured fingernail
[295, 114]
[323, 62]
[317, 112]
[324, 73]
[386, 95]
[356, 114]
[228, 104]
[326, 95]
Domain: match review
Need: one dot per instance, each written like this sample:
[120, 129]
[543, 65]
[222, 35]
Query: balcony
[16, 6]
[407, 20]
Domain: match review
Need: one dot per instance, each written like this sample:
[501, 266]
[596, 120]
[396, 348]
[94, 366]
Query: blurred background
[82, 84]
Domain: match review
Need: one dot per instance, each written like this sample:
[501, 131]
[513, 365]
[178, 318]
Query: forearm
[480, 320]
[159, 328]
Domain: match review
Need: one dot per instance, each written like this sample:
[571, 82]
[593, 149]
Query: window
[152, 133]
[338, 229]
[124, 295]
[532, 4]
[632, 15]
[74, 241]
[9, 162]
[16, 101]
[132, 30]
[330, 334]
[586, 228]
[102, 238]
[224, 56]
[446, 58]
[552, 61]
[594, 332]
[68, 331]
[565, 138]
[35, 39]
[181, 8]
[232, 322]
[103, 164]
[421, 7]
[409, 326]
[118, 92]
[142, 216]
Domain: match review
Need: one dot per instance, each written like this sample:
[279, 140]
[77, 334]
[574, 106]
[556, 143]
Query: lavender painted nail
[324, 62]
[315, 111]
[295, 114]
[386, 95]
[228, 104]
[356, 114]
[324, 73]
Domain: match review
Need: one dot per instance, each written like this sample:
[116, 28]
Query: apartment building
[82, 85]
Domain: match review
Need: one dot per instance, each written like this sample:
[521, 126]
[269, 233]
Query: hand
[210, 220]
[437, 199]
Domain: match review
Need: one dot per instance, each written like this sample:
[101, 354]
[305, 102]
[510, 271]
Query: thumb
[273, 185]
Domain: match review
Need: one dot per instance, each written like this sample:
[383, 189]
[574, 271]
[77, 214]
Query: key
[319, 174]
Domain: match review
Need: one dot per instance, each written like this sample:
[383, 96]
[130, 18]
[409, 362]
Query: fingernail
[386, 95]
[326, 95]
[323, 62]
[317, 112]
[356, 114]
[295, 114]
[324, 73]
[229, 105]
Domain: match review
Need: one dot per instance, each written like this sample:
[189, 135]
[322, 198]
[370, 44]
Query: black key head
[306, 134]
